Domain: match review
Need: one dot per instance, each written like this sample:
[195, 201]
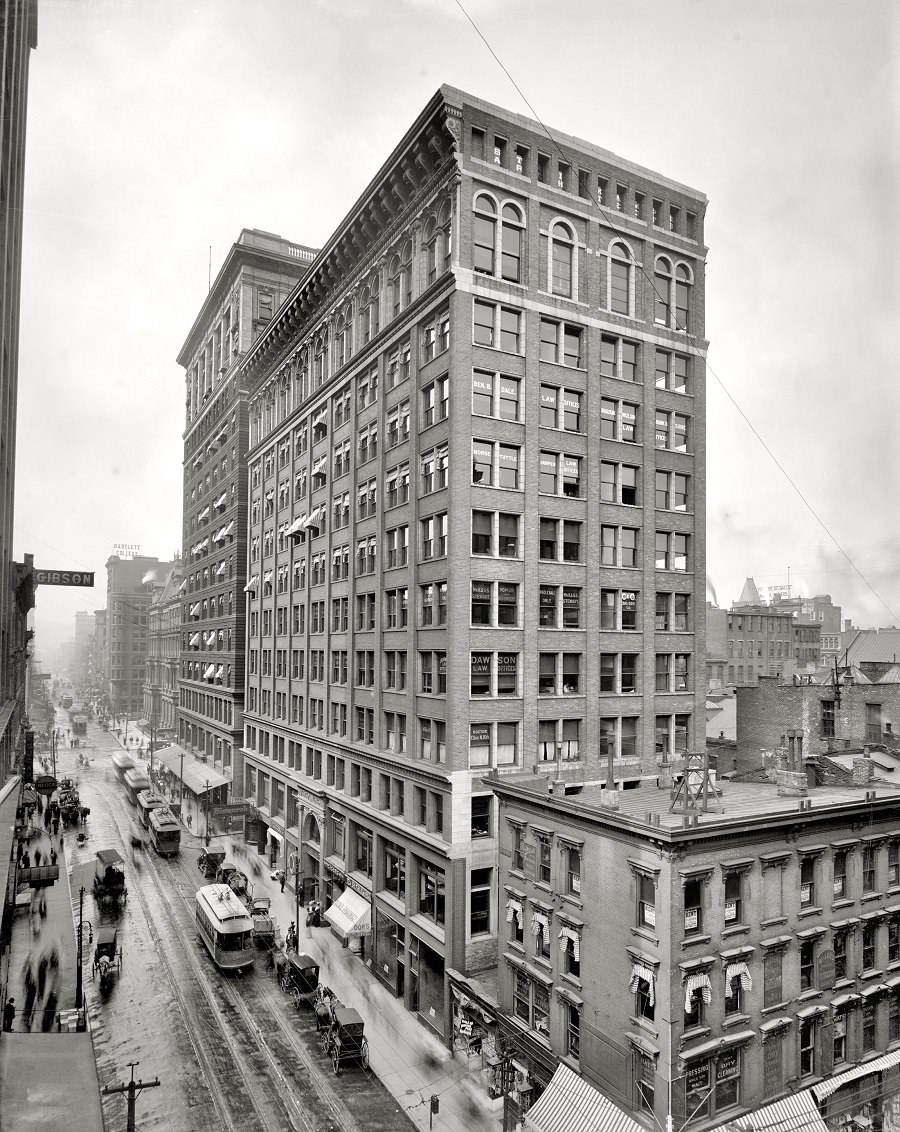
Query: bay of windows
[493, 744]
[618, 546]
[561, 342]
[561, 409]
[559, 607]
[618, 737]
[495, 533]
[559, 540]
[495, 464]
[618, 358]
[619, 483]
[495, 395]
[560, 474]
[498, 327]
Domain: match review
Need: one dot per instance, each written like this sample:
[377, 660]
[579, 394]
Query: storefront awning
[877, 1065]
[792, 1114]
[350, 915]
[570, 1104]
[198, 776]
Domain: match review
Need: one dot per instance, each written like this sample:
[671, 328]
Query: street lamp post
[82, 922]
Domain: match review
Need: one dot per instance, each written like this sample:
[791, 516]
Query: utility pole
[132, 1089]
[294, 863]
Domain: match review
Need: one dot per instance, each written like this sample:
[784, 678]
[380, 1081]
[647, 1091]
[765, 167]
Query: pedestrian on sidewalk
[9, 1015]
[26, 860]
[55, 826]
[53, 856]
[37, 858]
[282, 878]
[42, 975]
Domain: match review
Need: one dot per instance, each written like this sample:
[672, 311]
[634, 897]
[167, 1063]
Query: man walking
[9, 1015]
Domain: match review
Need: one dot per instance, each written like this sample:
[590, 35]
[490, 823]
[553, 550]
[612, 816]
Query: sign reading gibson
[63, 578]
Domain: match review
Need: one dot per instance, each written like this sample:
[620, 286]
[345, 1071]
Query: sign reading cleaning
[63, 578]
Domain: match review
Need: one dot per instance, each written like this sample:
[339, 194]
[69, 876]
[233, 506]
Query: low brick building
[698, 964]
[821, 717]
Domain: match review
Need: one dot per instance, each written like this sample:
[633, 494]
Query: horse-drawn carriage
[210, 861]
[109, 877]
[71, 811]
[107, 956]
[300, 978]
[342, 1038]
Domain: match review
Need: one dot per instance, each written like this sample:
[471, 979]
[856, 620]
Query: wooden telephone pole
[132, 1089]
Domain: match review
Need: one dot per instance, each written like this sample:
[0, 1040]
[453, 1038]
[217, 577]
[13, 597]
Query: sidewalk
[48, 1078]
[412, 1063]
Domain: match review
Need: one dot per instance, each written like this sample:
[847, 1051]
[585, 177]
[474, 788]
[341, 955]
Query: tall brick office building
[258, 273]
[476, 528]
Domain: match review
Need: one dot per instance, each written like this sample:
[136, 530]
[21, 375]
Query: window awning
[226, 531]
[877, 1065]
[209, 671]
[791, 1114]
[220, 672]
[195, 609]
[294, 528]
[350, 914]
[222, 568]
[267, 577]
[203, 514]
[195, 640]
[252, 584]
[220, 502]
[571, 1104]
[197, 776]
[699, 982]
[320, 465]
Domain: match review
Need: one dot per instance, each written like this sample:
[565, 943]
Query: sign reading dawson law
[63, 578]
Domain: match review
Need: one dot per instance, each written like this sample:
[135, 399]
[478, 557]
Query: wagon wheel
[364, 1053]
[335, 1060]
[298, 1000]
[285, 982]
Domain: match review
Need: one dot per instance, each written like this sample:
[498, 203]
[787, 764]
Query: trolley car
[225, 926]
[165, 832]
[122, 761]
[135, 781]
[148, 800]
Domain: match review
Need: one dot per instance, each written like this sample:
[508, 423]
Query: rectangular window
[497, 327]
[561, 342]
[495, 395]
[560, 474]
[618, 483]
[672, 371]
[869, 860]
[618, 358]
[618, 546]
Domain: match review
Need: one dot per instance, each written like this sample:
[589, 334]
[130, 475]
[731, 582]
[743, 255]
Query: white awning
[210, 638]
[203, 514]
[197, 776]
[571, 1104]
[195, 640]
[252, 584]
[210, 670]
[220, 502]
[220, 672]
[877, 1065]
[699, 982]
[222, 568]
[350, 914]
[203, 544]
[321, 463]
[267, 577]
[294, 528]
[195, 609]
[226, 531]
[791, 1114]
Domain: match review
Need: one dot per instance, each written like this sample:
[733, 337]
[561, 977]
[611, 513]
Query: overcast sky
[159, 128]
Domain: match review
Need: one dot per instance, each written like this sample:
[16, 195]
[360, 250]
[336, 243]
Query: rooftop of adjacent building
[736, 801]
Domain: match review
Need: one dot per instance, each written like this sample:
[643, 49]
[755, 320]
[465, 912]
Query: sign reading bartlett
[126, 549]
[64, 578]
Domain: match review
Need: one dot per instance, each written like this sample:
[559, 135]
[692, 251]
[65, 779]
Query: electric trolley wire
[682, 329]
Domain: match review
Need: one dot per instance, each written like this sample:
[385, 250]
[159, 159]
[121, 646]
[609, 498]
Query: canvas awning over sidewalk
[197, 776]
[570, 1104]
[350, 914]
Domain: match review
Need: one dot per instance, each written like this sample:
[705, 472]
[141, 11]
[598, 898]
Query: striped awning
[699, 982]
[570, 1104]
[738, 971]
[513, 908]
[252, 584]
[877, 1065]
[791, 1114]
[640, 972]
[294, 528]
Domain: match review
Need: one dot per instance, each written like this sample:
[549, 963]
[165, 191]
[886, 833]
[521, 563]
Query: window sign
[730, 911]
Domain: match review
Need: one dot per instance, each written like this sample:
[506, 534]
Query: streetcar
[135, 781]
[165, 832]
[122, 762]
[225, 926]
[148, 800]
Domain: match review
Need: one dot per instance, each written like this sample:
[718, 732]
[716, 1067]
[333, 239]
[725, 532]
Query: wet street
[230, 1051]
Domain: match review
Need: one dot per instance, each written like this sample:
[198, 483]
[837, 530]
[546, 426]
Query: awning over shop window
[350, 915]
[791, 1114]
[198, 776]
[570, 1104]
[877, 1065]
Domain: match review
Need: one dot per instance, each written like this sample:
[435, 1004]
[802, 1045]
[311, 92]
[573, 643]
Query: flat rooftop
[736, 802]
